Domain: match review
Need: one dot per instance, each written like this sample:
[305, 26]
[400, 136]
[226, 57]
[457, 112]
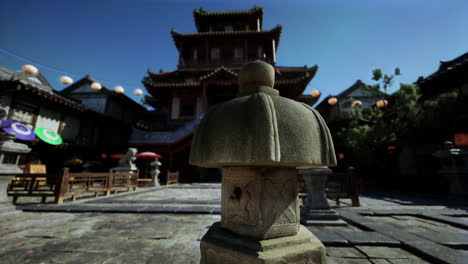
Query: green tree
[373, 128]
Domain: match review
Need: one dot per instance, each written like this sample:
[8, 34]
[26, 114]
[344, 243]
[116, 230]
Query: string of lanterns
[333, 101]
[30, 69]
[65, 79]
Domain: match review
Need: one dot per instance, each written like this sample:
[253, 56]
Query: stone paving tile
[160, 209]
[168, 237]
[416, 222]
[408, 261]
[459, 222]
[344, 252]
[333, 260]
[446, 238]
[329, 237]
[129, 257]
[359, 238]
[386, 252]
[396, 233]
[380, 261]
[155, 201]
[439, 252]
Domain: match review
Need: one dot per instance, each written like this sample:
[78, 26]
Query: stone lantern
[455, 169]
[317, 211]
[10, 154]
[259, 139]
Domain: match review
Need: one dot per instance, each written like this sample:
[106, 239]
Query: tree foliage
[371, 128]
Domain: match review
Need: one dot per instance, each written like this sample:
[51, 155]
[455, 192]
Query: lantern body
[96, 86]
[382, 103]
[30, 69]
[66, 80]
[119, 89]
[356, 103]
[138, 92]
[315, 93]
[332, 101]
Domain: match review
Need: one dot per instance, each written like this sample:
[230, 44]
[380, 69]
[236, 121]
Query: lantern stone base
[222, 246]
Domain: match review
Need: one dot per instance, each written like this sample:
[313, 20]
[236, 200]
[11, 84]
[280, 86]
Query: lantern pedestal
[260, 220]
[317, 210]
[222, 246]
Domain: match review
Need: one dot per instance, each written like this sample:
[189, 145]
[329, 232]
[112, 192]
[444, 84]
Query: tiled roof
[104, 90]
[22, 82]
[152, 83]
[216, 71]
[448, 66]
[36, 80]
[286, 76]
[295, 75]
[254, 10]
[164, 137]
[276, 32]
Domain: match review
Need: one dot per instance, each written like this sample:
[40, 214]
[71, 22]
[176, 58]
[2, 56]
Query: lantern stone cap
[315, 171]
[261, 128]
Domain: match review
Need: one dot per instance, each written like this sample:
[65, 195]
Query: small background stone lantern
[455, 169]
[317, 211]
[10, 154]
[259, 139]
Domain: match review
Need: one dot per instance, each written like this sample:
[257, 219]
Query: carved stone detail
[260, 202]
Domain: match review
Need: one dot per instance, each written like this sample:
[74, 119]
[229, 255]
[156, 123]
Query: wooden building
[90, 122]
[115, 114]
[209, 61]
[30, 99]
[448, 123]
[357, 91]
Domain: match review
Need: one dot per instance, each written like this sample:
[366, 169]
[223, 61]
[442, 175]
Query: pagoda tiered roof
[200, 14]
[291, 81]
[274, 32]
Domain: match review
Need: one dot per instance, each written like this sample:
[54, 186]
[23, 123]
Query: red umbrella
[147, 155]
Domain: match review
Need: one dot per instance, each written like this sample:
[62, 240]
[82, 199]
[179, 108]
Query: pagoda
[207, 74]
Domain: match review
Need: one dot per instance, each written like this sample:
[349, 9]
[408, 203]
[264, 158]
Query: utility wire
[60, 71]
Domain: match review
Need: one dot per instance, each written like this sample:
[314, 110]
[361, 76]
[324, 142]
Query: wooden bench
[343, 186]
[32, 185]
[70, 184]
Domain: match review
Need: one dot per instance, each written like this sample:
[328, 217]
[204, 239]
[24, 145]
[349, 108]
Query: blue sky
[117, 41]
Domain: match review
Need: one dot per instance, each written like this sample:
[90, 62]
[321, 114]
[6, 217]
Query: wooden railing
[70, 184]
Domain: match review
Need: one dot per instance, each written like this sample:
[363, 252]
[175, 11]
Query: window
[24, 113]
[228, 28]
[187, 107]
[238, 53]
[9, 158]
[215, 54]
[259, 52]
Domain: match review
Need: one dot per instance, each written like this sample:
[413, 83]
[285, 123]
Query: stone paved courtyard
[165, 225]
